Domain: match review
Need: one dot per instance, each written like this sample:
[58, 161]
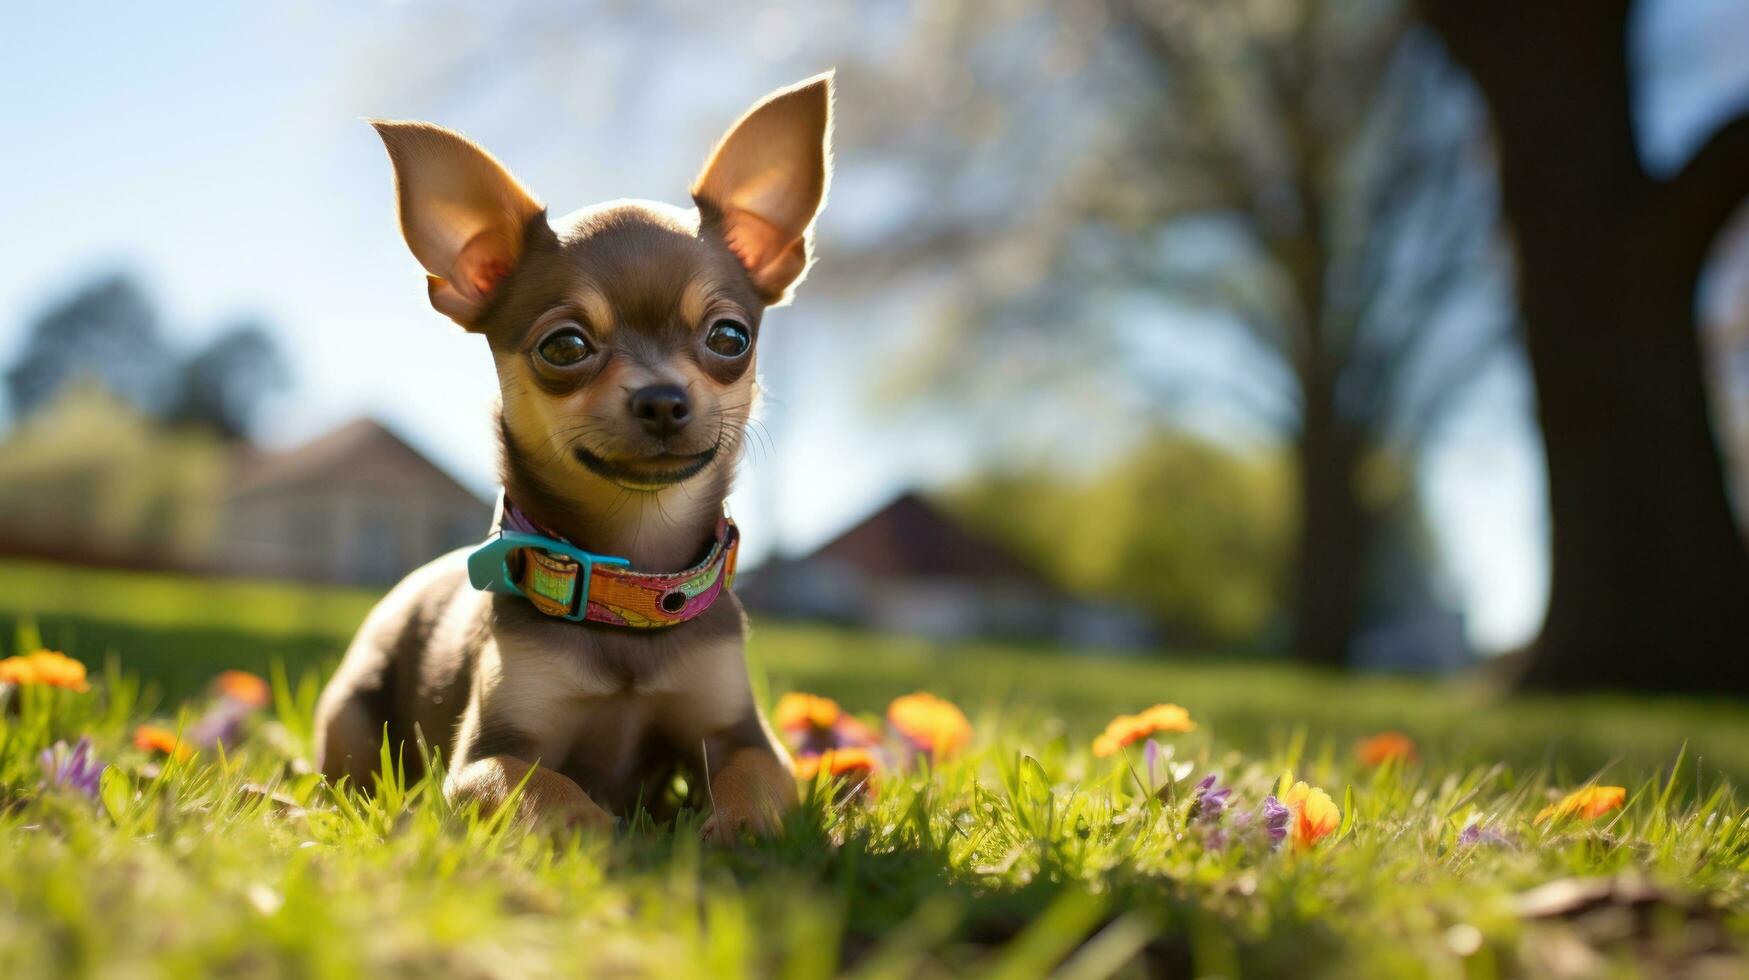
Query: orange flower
[931, 724]
[797, 711]
[17, 671]
[1129, 729]
[813, 724]
[1385, 747]
[1588, 803]
[837, 762]
[243, 687]
[153, 738]
[45, 667]
[1313, 814]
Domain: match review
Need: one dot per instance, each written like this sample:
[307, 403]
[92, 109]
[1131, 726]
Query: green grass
[265, 609]
[1023, 855]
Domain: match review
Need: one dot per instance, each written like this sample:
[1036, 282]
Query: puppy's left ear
[766, 180]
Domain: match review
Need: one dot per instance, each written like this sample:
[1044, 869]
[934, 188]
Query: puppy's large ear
[766, 180]
[462, 213]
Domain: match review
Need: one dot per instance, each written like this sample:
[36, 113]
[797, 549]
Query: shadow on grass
[907, 908]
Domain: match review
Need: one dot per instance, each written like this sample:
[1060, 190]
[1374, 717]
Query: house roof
[363, 452]
[913, 537]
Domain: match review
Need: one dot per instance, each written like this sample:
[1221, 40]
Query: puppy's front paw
[583, 815]
[750, 796]
[712, 830]
[731, 826]
[564, 818]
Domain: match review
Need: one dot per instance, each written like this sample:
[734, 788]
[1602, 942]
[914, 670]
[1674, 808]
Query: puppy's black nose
[662, 408]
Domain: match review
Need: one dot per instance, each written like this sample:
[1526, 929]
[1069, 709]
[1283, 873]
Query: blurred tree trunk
[1359, 144]
[1335, 532]
[1650, 577]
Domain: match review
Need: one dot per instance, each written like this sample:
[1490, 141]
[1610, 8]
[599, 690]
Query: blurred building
[911, 568]
[356, 506]
[90, 480]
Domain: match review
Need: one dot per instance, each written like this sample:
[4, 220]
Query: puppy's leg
[349, 740]
[548, 798]
[752, 784]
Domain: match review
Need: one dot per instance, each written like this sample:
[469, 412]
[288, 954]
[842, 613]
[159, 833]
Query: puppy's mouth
[646, 472]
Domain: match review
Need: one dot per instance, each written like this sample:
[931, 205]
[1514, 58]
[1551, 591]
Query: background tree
[222, 386]
[1650, 579]
[1209, 566]
[106, 330]
[109, 332]
[1305, 176]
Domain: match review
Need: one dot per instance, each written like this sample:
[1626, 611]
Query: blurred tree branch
[108, 330]
[1307, 173]
[1715, 182]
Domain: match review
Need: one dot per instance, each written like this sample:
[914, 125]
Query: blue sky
[217, 148]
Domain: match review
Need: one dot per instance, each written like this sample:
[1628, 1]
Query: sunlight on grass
[1017, 854]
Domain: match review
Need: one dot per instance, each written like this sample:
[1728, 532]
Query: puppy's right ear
[462, 213]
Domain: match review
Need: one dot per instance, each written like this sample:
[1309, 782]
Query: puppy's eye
[567, 348]
[728, 339]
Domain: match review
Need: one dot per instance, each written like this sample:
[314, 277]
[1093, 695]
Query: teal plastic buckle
[489, 566]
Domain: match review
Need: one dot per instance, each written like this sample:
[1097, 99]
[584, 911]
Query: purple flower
[1275, 818]
[223, 722]
[1161, 772]
[1477, 834]
[1211, 799]
[72, 769]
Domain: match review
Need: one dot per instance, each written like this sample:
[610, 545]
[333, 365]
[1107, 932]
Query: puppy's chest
[685, 681]
[596, 665]
[619, 710]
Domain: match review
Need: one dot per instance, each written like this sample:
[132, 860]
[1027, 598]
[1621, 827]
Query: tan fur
[603, 717]
[547, 797]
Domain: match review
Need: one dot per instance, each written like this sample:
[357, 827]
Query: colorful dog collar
[562, 580]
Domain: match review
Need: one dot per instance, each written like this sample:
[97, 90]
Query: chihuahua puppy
[624, 337]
